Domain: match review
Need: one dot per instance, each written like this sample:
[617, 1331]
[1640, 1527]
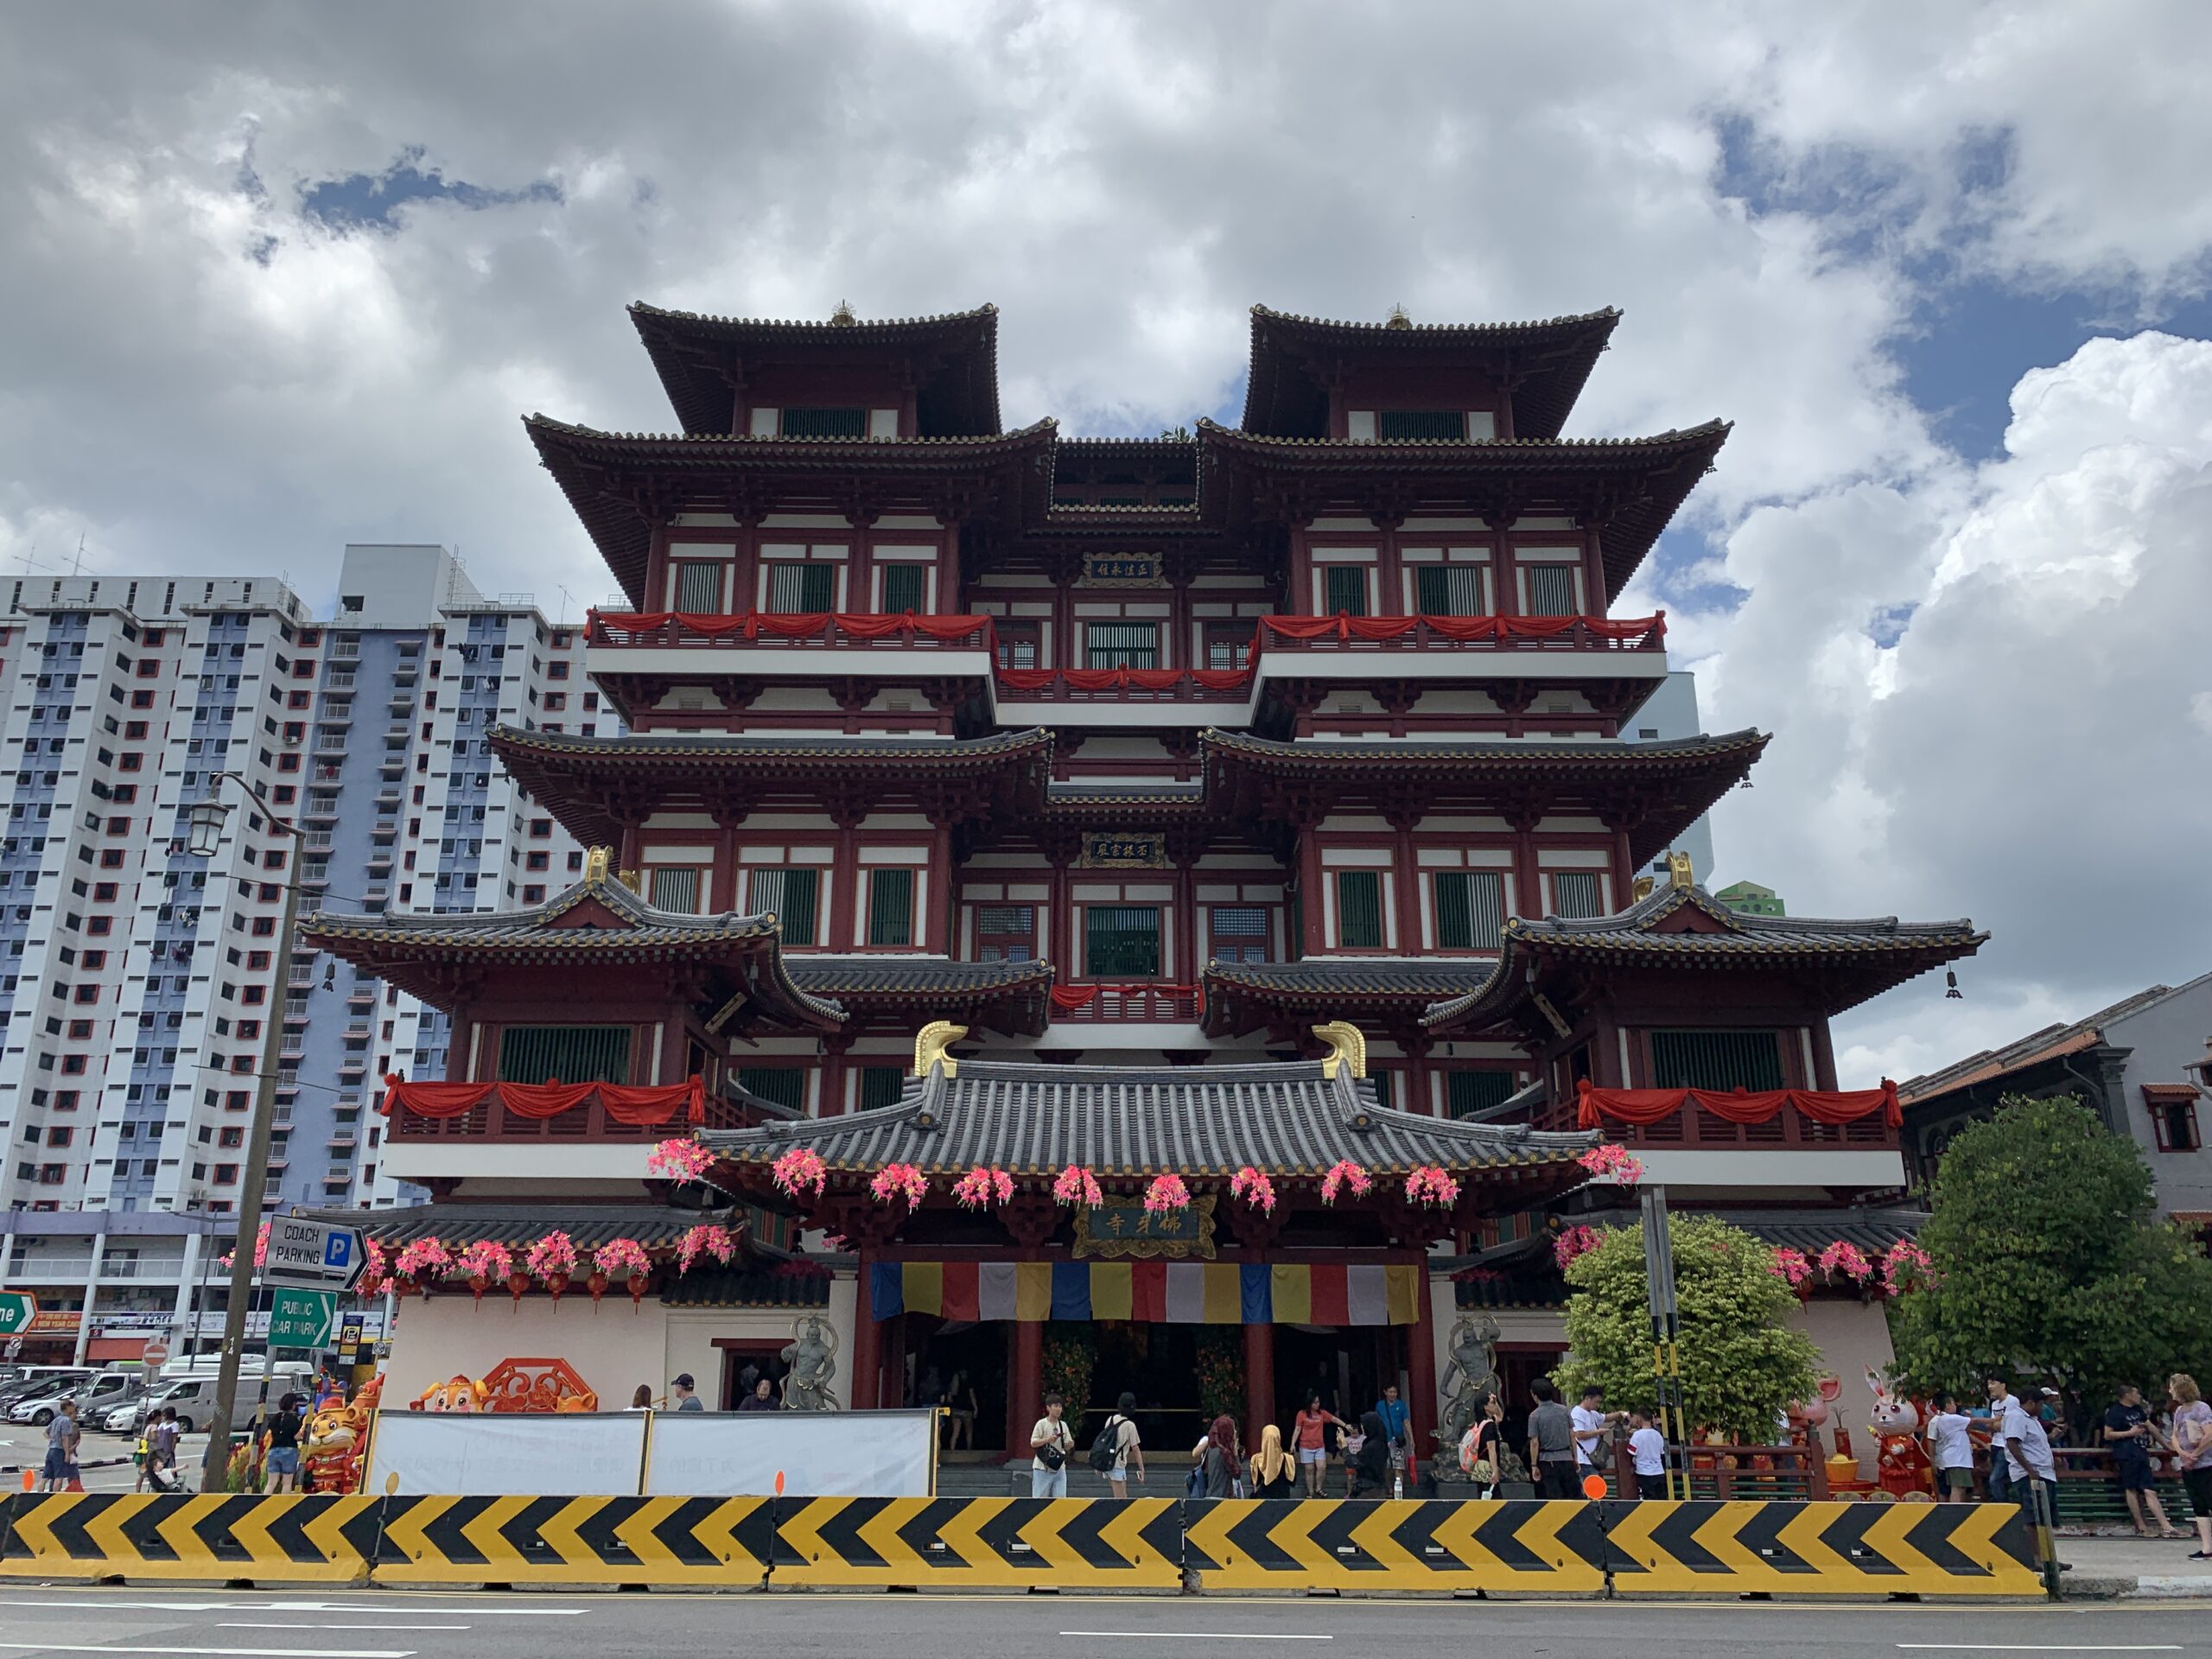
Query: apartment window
[540, 829]
[793, 896]
[795, 588]
[531, 895]
[1359, 910]
[825, 423]
[1121, 941]
[2173, 1115]
[891, 907]
[905, 587]
[1343, 590]
[1469, 1092]
[1551, 589]
[1421, 425]
[233, 1135]
[1229, 646]
[226, 1174]
[1716, 1060]
[564, 1054]
[1005, 932]
[881, 1085]
[698, 586]
[1577, 895]
[1470, 910]
[1122, 645]
[785, 1085]
[676, 887]
[537, 861]
[1449, 590]
[1019, 644]
[1238, 933]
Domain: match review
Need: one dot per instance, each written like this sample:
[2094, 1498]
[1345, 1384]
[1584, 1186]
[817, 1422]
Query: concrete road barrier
[1814, 1550]
[1064, 1543]
[722, 1542]
[86, 1536]
[1395, 1545]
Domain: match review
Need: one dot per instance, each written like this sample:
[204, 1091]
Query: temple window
[1470, 909]
[1006, 933]
[785, 1085]
[1450, 590]
[1577, 894]
[676, 887]
[1122, 645]
[1121, 941]
[1467, 1092]
[1716, 1060]
[881, 1085]
[1344, 589]
[891, 907]
[1421, 425]
[796, 588]
[1018, 643]
[825, 423]
[905, 587]
[564, 1053]
[1229, 646]
[1238, 933]
[1550, 589]
[699, 586]
[1359, 910]
[793, 896]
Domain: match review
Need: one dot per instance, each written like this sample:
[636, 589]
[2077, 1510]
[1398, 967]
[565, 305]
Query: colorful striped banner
[1150, 1293]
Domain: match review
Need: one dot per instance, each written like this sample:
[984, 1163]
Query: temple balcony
[492, 1138]
[1561, 648]
[1692, 1146]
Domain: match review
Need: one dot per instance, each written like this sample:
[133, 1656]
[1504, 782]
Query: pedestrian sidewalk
[2133, 1566]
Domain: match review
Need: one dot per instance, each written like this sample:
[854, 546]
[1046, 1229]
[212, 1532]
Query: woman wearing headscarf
[1274, 1472]
[1370, 1465]
[1217, 1460]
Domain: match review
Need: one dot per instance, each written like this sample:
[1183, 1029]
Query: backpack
[1106, 1450]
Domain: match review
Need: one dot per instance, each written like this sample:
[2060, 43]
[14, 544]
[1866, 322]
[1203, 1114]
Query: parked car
[99, 1399]
[38, 1380]
[97, 1391]
[194, 1394]
[41, 1396]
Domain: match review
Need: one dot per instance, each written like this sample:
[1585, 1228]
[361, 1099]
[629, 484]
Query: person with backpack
[1117, 1442]
[1220, 1472]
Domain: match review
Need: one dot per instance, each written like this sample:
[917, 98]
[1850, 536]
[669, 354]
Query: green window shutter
[825, 423]
[1470, 910]
[1385, 1088]
[1468, 1092]
[1359, 910]
[1121, 941]
[1421, 425]
[881, 1085]
[790, 895]
[676, 887]
[1344, 589]
[1551, 589]
[698, 586]
[785, 1085]
[1716, 1060]
[1122, 645]
[1449, 589]
[905, 587]
[891, 907]
[1576, 895]
[564, 1054]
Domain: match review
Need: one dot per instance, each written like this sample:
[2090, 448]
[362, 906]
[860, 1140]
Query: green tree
[2048, 1260]
[1741, 1361]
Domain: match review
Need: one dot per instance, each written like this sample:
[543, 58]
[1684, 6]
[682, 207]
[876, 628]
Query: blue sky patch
[372, 201]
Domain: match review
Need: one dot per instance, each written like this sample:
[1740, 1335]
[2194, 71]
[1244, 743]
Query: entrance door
[962, 1365]
[745, 1362]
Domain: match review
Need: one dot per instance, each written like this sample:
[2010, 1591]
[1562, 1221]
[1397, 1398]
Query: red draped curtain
[638, 1107]
[1740, 1106]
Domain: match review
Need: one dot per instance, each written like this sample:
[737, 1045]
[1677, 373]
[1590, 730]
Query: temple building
[1003, 812]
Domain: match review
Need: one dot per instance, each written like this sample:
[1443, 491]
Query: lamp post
[204, 823]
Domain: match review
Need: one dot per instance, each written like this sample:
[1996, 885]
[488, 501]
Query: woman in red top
[1310, 1431]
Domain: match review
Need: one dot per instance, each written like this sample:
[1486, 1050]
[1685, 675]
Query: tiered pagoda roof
[908, 991]
[1386, 991]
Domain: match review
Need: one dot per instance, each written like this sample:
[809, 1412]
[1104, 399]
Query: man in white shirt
[2028, 1462]
[1648, 1448]
[1050, 1442]
[1950, 1450]
[1591, 1421]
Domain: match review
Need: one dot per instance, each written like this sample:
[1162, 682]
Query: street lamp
[204, 821]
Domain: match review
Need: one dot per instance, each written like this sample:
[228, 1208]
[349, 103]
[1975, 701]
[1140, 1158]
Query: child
[1648, 1448]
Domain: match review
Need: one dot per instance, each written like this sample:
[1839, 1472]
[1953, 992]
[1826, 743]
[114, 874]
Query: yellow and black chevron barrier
[1067, 1543]
[302, 1539]
[1816, 1549]
[1322, 1544]
[723, 1542]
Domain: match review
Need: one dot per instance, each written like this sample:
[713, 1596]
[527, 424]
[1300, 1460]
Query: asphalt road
[20, 1443]
[353, 1624]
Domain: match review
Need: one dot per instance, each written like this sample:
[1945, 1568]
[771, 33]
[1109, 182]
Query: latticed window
[1577, 894]
[1005, 932]
[785, 1085]
[905, 587]
[1121, 941]
[1359, 910]
[1018, 643]
[676, 887]
[1449, 589]
[794, 898]
[1469, 1092]
[564, 1054]
[1423, 425]
[1344, 589]
[1122, 645]
[1229, 646]
[698, 586]
[1716, 1060]
[1551, 589]
[795, 588]
[881, 1085]
[1239, 933]
[891, 907]
[824, 423]
[1470, 910]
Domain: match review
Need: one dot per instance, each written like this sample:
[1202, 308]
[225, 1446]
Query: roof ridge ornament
[931, 1042]
[595, 863]
[1679, 872]
[1398, 319]
[843, 317]
[1345, 1042]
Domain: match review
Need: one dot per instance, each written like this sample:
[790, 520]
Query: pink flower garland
[900, 1180]
[485, 1259]
[424, 1259]
[1167, 1192]
[1254, 1188]
[1574, 1241]
[709, 1238]
[553, 1256]
[622, 1258]
[260, 1250]
[1342, 1174]
[980, 1187]
[1847, 1259]
[683, 1159]
[1431, 1186]
[1901, 1255]
[1625, 1168]
[1794, 1268]
[801, 1169]
[1076, 1185]
[378, 1270]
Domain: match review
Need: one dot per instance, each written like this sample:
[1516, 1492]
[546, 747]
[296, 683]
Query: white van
[191, 1389]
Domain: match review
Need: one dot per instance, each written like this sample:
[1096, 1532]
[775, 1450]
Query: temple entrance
[961, 1364]
[1161, 1365]
[1348, 1365]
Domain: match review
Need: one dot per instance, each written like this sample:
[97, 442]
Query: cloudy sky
[277, 277]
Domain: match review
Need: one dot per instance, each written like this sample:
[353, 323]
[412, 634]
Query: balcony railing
[491, 1120]
[1125, 685]
[1693, 1127]
[1111, 1004]
[1342, 632]
[689, 629]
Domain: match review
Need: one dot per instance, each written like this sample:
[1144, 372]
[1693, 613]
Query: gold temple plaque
[1125, 1227]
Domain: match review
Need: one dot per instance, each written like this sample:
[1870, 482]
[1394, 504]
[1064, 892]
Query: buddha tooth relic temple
[1186, 915]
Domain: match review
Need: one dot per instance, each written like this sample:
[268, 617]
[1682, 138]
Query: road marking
[228, 1653]
[284, 1607]
[1204, 1635]
[2039, 1647]
[243, 1625]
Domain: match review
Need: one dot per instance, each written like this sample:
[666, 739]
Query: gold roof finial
[930, 1045]
[1640, 889]
[843, 317]
[595, 863]
[1678, 873]
[1345, 1043]
[1398, 318]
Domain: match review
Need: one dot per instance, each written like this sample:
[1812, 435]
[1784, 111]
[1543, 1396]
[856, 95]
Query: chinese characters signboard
[1107, 850]
[1123, 570]
[1125, 1227]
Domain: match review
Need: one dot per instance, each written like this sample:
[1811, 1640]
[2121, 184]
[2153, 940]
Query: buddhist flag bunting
[1155, 1293]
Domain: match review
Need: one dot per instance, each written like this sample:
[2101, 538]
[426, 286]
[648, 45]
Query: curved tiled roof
[1505, 753]
[656, 1226]
[1009, 996]
[1206, 1121]
[1242, 996]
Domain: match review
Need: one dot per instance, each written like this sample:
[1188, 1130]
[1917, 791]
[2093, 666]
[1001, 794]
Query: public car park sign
[313, 1254]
